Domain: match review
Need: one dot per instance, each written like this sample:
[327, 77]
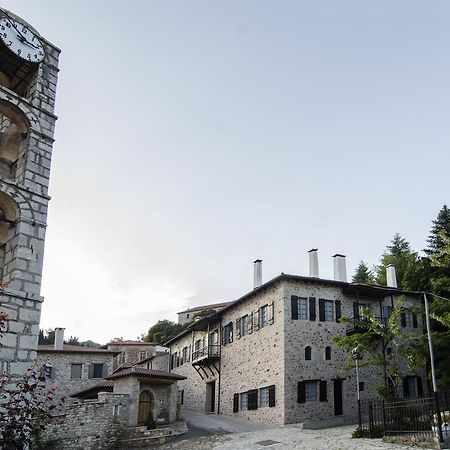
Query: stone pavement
[289, 437]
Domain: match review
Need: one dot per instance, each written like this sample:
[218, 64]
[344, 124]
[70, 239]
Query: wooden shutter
[238, 328]
[321, 310]
[105, 370]
[338, 309]
[91, 370]
[188, 354]
[323, 391]
[250, 323]
[222, 335]
[312, 308]
[355, 310]
[301, 392]
[294, 307]
[272, 395]
[419, 387]
[182, 397]
[230, 325]
[271, 313]
[405, 387]
[252, 399]
[414, 319]
[235, 403]
[256, 320]
[403, 321]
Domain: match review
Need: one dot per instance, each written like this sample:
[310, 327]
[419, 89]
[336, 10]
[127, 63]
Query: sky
[197, 136]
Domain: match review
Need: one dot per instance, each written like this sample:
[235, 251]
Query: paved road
[228, 433]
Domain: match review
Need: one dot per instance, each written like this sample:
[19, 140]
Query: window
[142, 355]
[263, 398]
[228, 333]
[187, 316]
[410, 387]
[408, 319]
[310, 391]
[387, 311]
[244, 325]
[184, 355]
[328, 353]
[97, 371]
[303, 308]
[121, 358]
[243, 401]
[263, 316]
[75, 370]
[329, 311]
[361, 386]
[116, 410]
[308, 353]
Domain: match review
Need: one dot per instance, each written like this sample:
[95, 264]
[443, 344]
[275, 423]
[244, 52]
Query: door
[338, 397]
[211, 396]
[145, 407]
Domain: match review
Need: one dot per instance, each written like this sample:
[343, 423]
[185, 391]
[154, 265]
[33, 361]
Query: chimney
[391, 276]
[59, 339]
[340, 268]
[313, 263]
[257, 273]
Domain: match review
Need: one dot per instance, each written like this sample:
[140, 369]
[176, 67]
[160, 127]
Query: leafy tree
[407, 264]
[162, 331]
[384, 345]
[363, 274]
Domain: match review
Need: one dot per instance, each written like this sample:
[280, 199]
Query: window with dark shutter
[328, 353]
[414, 319]
[323, 391]
[182, 397]
[403, 320]
[294, 307]
[338, 308]
[301, 394]
[272, 395]
[312, 309]
[321, 310]
[235, 403]
[252, 398]
[238, 328]
[91, 370]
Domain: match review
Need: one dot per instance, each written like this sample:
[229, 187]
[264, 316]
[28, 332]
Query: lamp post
[357, 355]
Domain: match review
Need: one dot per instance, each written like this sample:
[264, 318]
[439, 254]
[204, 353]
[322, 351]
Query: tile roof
[74, 349]
[203, 307]
[147, 373]
[102, 386]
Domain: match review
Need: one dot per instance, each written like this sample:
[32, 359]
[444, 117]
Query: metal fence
[412, 417]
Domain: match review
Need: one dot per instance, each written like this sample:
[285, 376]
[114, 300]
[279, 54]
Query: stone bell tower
[28, 76]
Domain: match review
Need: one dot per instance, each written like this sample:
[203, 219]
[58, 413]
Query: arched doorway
[145, 407]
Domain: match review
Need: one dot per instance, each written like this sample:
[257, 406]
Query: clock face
[21, 40]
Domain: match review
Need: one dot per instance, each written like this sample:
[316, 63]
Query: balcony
[361, 324]
[204, 361]
[211, 352]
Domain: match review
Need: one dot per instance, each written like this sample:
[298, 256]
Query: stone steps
[138, 437]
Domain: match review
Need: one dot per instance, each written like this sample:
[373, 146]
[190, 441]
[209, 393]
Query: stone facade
[27, 124]
[67, 379]
[271, 364]
[188, 314]
[91, 424]
[131, 352]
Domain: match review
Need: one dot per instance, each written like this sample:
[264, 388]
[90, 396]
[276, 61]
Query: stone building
[188, 314]
[28, 77]
[269, 356]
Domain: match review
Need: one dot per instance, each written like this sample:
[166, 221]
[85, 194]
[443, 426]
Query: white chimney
[59, 339]
[257, 273]
[391, 276]
[313, 263]
[340, 267]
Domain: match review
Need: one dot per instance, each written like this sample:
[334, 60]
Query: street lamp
[357, 355]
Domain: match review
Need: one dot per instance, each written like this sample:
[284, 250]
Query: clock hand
[25, 40]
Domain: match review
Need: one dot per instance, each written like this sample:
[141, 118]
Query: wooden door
[145, 407]
[338, 397]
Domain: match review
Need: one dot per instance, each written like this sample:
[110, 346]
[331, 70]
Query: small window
[310, 391]
[228, 333]
[121, 358]
[329, 311]
[263, 398]
[408, 319]
[308, 353]
[116, 410]
[243, 401]
[97, 371]
[264, 316]
[187, 316]
[142, 355]
[361, 386]
[75, 370]
[328, 353]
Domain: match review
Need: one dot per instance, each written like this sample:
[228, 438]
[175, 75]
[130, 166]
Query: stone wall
[91, 424]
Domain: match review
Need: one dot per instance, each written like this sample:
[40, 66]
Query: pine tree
[363, 274]
[439, 229]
